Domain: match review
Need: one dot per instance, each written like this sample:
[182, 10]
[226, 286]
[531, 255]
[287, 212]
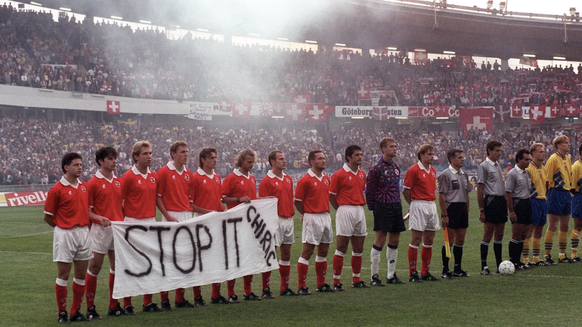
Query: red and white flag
[241, 110]
[556, 111]
[476, 118]
[295, 111]
[317, 111]
[364, 93]
[571, 110]
[113, 107]
[516, 110]
[537, 113]
[380, 113]
[303, 97]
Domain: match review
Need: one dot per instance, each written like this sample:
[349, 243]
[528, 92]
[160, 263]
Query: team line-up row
[83, 237]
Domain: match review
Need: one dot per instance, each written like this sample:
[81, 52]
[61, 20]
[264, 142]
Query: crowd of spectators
[102, 58]
[31, 149]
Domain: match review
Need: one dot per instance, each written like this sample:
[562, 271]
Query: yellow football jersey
[538, 181]
[558, 171]
[577, 175]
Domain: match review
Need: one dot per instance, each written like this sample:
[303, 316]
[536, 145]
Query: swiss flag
[295, 111]
[317, 111]
[537, 113]
[363, 94]
[304, 97]
[556, 111]
[241, 110]
[113, 107]
[516, 111]
[571, 110]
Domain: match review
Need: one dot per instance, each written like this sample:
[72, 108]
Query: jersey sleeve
[226, 188]
[481, 174]
[161, 183]
[335, 184]
[125, 185]
[264, 188]
[510, 183]
[550, 169]
[409, 178]
[52, 200]
[300, 190]
[91, 192]
[443, 183]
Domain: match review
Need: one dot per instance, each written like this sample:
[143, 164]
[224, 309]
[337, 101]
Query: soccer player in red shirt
[419, 192]
[105, 205]
[174, 202]
[280, 185]
[138, 195]
[67, 210]
[240, 187]
[207, 195]
[312, 201]
[346, 195]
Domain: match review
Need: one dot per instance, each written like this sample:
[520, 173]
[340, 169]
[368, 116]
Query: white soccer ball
[506, 268]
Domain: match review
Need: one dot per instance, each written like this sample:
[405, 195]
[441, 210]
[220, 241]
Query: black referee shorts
[388, 217]
[495, 209]
[523, 211]
[458, 215]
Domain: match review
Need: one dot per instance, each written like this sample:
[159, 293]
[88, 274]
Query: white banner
[219, 246]
[201, 111]
[365, 111]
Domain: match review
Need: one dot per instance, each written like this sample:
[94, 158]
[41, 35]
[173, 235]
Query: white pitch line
[26, 235]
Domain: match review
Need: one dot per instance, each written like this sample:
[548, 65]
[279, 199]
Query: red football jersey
[105, 197]
[138, 194]
[348, 186]
[69, 205]
[282, 189]
[314, 192]
[206, 190]
[238, 185]
[422, 183]
[174, 188]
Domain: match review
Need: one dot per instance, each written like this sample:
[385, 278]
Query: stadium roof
[359, 23]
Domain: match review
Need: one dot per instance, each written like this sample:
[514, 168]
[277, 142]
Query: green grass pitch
[541, 296]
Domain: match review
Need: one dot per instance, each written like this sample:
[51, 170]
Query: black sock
[445, 260]
[498, 248]
[484, 251]
[458, 253]
[512, 250]
[520, 249]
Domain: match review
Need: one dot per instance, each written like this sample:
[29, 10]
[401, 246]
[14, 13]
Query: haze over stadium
[295, 76]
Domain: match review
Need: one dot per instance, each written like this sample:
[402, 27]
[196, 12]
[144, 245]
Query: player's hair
[68, 158]
[520, 154]
[350, 151]
[491, 145]
[175, 146]
[560, 139]
[137, 147]
[452, 153]
[273, 156]
[534, 147]
[105, 152]
[242, 155]
[312, 154]
[423, 149]
[204, 154]
[385, 141]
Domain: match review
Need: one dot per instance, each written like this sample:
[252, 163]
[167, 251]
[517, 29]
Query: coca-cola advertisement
[18, 199]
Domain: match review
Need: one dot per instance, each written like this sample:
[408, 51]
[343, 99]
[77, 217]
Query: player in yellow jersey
[558, 171]
[539, 205]
[576, 206]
